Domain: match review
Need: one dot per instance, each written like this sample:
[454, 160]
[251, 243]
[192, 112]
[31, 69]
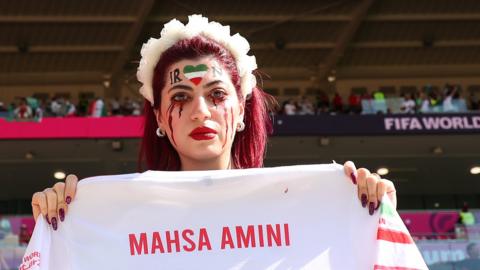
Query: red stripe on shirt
[394, 236]
[383, 267]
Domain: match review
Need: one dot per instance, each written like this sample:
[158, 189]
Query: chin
[201, 152]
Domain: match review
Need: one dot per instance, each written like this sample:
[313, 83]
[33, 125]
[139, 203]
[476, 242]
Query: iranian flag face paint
[195, 73]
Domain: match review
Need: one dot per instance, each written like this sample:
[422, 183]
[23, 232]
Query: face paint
[195, 73]
[180, 110]
[175, 76]
[217, 72]
[225, 117]
[169, 111]
[231, 120]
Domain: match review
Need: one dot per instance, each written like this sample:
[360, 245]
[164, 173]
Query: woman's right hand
[53, 202]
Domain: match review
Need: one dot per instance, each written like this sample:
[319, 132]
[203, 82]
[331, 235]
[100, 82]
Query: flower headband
[174, 31]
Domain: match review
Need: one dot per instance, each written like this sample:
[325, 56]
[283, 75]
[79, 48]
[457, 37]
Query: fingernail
[378, 206]
[364, 200]
[48, 220]
[371, 208]
[61, 212]
[54, 223]
[354, 178]
[68, 199]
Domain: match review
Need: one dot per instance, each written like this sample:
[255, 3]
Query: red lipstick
[203, 133]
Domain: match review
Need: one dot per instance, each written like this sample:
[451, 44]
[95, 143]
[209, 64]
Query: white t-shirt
[289, 109]
[296, 217]
[408, 106]
[98, 108]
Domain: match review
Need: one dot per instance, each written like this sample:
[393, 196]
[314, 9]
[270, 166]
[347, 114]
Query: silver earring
[240, 126]
[160, 133]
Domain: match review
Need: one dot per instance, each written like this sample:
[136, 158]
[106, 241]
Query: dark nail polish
[48, 220]
[364, 200]
[371, 208]
[54, 223]
[378, 205]
[354, 178]
[68, 199]
[61, 213]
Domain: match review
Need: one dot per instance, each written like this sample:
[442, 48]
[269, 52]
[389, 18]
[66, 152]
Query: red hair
[248, 148]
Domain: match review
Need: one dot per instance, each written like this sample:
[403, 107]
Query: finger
[39, 205]
[391, 192]
[59, 188]
[372, 181]
[381, 190]
[36, 211]
[70, 188]
[52, 206]
[362, 174]
[350, 171]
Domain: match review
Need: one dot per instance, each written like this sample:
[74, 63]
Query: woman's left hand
[371, 187]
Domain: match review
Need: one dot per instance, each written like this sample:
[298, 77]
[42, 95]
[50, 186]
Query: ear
[158, 117]
[241, 111]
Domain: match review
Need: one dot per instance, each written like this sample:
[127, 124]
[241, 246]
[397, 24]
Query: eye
[218, 94]
[179, 97]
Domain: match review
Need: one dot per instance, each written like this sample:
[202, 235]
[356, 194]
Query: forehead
[185, 64]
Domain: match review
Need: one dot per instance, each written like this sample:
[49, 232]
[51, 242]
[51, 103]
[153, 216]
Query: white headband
[174, 31]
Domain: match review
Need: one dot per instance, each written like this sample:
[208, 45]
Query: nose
[200, 110]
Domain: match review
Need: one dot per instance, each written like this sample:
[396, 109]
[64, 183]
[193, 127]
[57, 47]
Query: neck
[218, 163]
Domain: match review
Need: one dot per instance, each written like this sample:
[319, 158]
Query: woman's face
[200, 110]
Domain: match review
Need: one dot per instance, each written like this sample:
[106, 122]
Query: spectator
[408, 105]
[379, 105]
[136, 108]
[2, 107]
[83, 107]
[289, 107]
[306, 107]
[424, 103]
[98, 107]
[323, 103]
[127, 106]
[33, 103]
[466, 217]
[378, 96]
[56, 107]
[39, 112]
[23, 111]
[354, 103]
[115, 106]
[474, 103]
[70, 109]
[337, 103]
[450, 92]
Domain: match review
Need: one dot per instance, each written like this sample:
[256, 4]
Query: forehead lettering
[217, 71]
[195, 73]
[175, 76]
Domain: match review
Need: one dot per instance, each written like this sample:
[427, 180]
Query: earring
[160, 133]
[240, 126]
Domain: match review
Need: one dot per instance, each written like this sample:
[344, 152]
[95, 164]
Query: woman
[204, 111]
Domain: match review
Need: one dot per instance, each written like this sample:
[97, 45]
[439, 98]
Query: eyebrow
[212, 83]
[181, 87]
[189, 88]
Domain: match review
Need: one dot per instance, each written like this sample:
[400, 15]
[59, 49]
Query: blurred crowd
[448, 100]
[28, 108]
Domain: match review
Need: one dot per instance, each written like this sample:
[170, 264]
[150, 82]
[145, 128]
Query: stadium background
[90, 48]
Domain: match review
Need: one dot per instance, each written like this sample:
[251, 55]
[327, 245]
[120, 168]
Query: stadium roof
[55, 41]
